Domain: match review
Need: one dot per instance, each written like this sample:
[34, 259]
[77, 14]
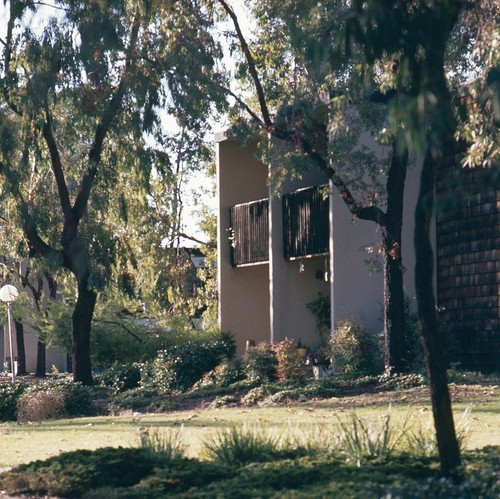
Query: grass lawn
[22, 443]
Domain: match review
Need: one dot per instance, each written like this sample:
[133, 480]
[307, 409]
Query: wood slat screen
[306, 222]
[250, 232]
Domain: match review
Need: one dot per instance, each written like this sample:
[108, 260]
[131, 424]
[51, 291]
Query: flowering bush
[291, 363]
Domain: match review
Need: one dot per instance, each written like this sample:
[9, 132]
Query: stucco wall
[292, 290]
[243, 292]
[268, 302]
[53, 357]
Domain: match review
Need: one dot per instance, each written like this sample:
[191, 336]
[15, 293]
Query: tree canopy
[79, 98]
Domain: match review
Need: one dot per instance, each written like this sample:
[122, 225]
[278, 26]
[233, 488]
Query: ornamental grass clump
[421, 439]
[241, 445]
[359, 439]
[169, 445]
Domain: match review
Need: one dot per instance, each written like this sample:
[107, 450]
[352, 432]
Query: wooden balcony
[250, 233]
[306, 223]
[305, 227]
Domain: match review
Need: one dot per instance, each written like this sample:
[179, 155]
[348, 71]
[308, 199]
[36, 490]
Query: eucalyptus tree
[321, 107]
[418, 38]
[84, 91]
[404, 48]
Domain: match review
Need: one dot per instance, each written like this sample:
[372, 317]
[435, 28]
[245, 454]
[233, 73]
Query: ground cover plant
[302, 437]
[152, 472]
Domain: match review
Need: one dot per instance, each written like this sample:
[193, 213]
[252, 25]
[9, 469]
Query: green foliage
[227, 373]
[120, 377]
[72, 474]
[251, 463]
[53, 323]
[224, 401]
[51, 399]
[137, 399]
[256, 395]
[397, 381]
[320, 308]
[9, 397]
[90, 175]
[354, 349]
[116, 340]
[260, 363]
[160, 374]
[185, 360]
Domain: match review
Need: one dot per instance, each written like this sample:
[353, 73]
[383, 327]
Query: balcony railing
[305, 222]
[250, 232]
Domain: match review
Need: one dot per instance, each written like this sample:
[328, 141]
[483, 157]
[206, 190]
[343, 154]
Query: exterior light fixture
[9, 294]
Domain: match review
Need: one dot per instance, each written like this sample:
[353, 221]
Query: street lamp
[9, 294]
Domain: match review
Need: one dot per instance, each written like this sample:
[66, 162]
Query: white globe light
[9, 293]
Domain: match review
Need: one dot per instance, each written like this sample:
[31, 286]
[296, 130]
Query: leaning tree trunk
[80, 333]
[448, 448]
[394, 298]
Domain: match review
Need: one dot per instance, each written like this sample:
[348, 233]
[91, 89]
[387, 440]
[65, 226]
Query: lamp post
[9, 294]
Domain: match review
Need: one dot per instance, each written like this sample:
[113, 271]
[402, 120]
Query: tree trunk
[449, 451]
[40, 359]
[21, 351]
[394, 298]
[80, 333]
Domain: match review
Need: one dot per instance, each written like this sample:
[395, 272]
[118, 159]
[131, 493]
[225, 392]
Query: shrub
[259, 363]
[72, 473]
[227, 373]
[137, 398]
[51, 400]
[179, 366]
[413, 358]
[110, 343]
[354, 349]
[120, 378]
[9, 396]
[256, 395]
[224, 401]
[39, 406]
[320, 308]
[291, 364]
[400, 381]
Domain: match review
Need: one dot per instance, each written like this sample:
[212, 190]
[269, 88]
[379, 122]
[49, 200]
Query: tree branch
[57, 168]
[372, 213]
[36, 243]
[107, 117]
[8, 54]
[191, 238]
[251, 66]
[116, 323]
